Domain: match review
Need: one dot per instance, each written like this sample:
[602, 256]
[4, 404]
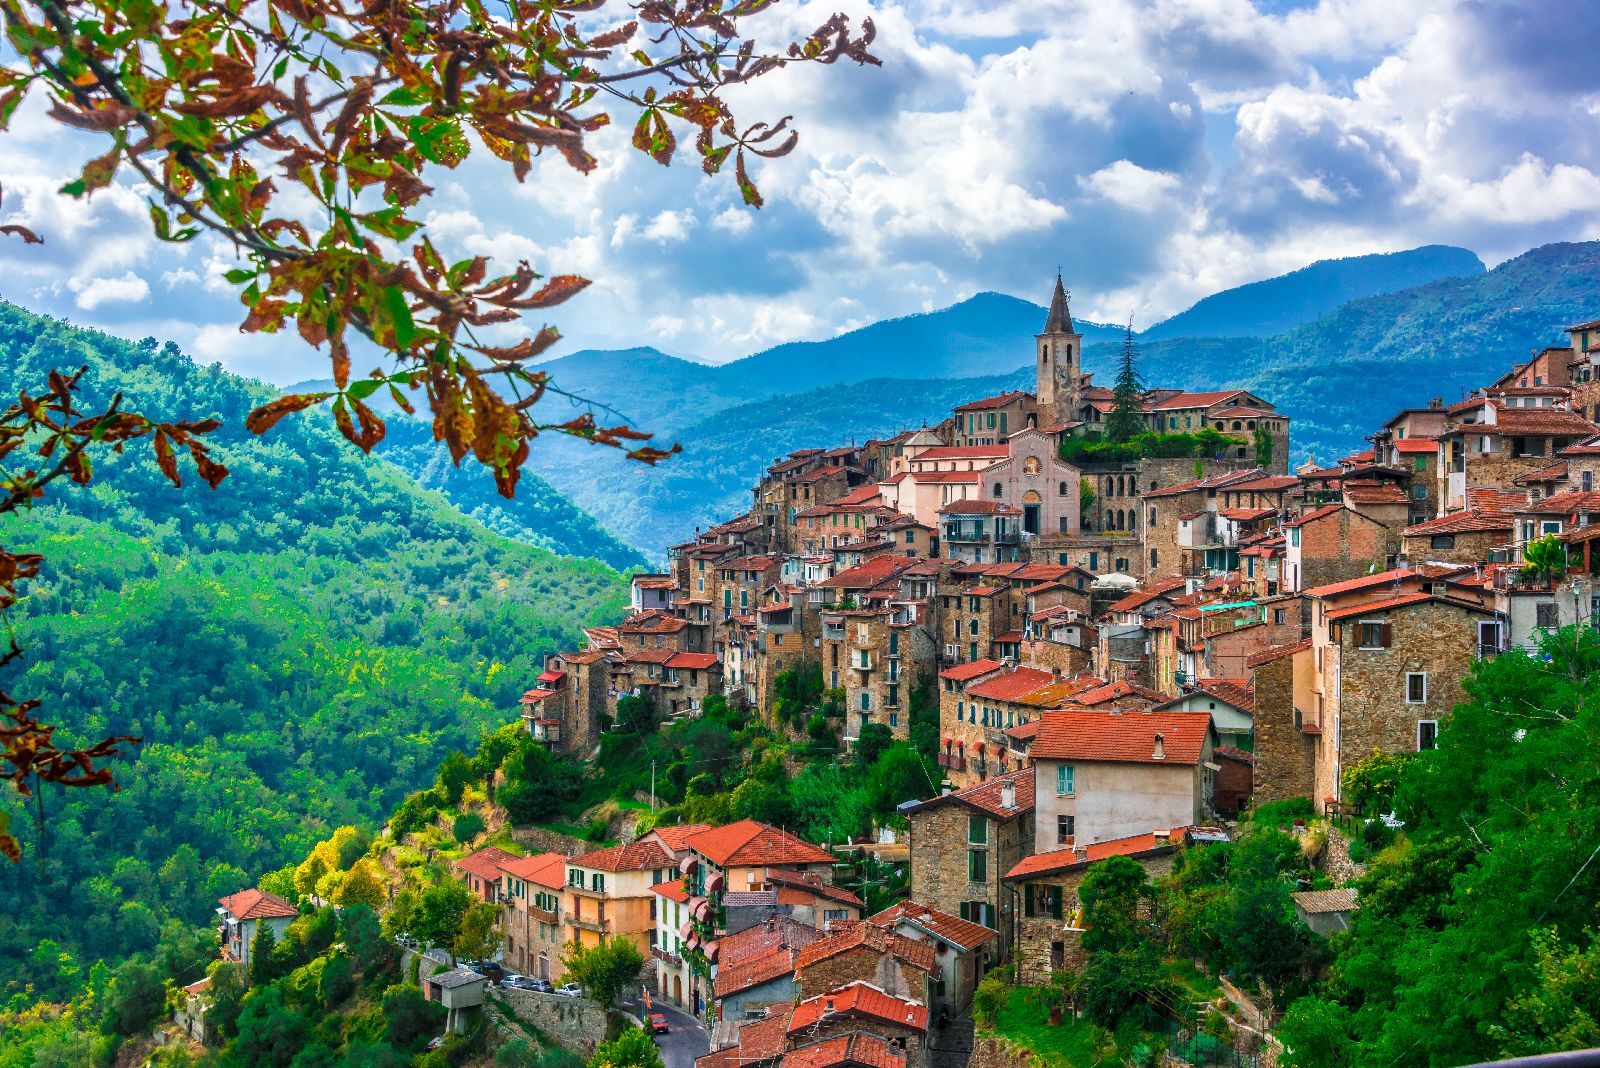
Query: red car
[658, 1024]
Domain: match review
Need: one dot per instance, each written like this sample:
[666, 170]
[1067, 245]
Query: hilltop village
[1131, 626]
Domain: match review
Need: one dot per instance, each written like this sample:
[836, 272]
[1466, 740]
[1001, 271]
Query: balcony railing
[953, 761]
[589, 923]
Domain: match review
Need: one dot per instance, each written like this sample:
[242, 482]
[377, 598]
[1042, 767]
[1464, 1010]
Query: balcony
[543, 915]
[669, 959]
[953, 761]
[589, 923]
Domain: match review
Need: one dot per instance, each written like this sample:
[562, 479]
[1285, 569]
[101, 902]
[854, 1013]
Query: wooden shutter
[1385, 635]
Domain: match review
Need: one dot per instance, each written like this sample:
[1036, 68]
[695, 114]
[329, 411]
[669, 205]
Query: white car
[570, 990]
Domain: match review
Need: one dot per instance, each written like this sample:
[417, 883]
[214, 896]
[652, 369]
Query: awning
[552, 676]
[715, 885]
[686, 865]
[686, 931]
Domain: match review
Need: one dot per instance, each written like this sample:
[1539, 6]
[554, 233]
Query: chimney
[1008, 796]
[1161, 748]
[827, 1006]
[1080, 853]
[945, 788]
[1163, 835]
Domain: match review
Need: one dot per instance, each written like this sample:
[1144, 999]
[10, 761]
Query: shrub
[1285, 811]
[989, 999]
[467, 826]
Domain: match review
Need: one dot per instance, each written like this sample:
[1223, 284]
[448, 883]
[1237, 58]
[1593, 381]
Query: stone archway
[677, 989]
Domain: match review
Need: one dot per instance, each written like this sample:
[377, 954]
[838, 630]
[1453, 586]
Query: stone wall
[1283, 754]
[1344, 545]
[576, 1023]
[885, 971]
[539, 840]
[991, 1051]
[1336, 859]
[939, 877]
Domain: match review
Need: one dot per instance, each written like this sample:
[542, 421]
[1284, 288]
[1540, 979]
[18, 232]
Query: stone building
[1333, 543]
[964, 841]
[1284, 754]
[1171, 540]
[875, 655]
[861, 1008]
[1046, 917]
[1390, 671]
[864, 953]
[959, 957]
[1458, 538]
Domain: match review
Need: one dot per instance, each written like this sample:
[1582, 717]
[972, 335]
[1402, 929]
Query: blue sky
[1158, 150]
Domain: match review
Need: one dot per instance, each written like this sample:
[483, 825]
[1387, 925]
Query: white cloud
[1158, 149]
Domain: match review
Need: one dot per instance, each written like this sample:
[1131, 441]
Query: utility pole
[652, 786]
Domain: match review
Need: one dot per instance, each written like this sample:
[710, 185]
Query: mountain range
[1430, 322]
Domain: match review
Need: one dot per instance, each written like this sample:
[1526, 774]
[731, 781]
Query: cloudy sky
[1157, 150]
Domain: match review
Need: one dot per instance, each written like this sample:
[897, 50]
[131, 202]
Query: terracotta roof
[256, 905]
[485, 863]
[652, 656]
[859, 999]
[1246, 515]
[866, 936]
[759, 1041]
[1460, 523]
[1552, 473]
[1063, 859]
[961, 452]
[1589, 446]
[672, 890]
[676, 836]
[1231, 691]
[866, 575]
[1315, 514]
[1233, 752]
[857, 1048]
[1414, 446]
[1404, 600]
[997, 401]
[546, 869]
[1268, 484]
[1111, 692]
[635, 856]
[698, 661]
[534, 696]
[763, 938]
[1241, 412]
[1195, 400]
[963, 672]
[1225, 480]
[1277, 652]
[1320, 901]
[812, 883]
[1382, 578]
[1145, 594]
[1013, 686]
[1534, 421]
[1123, 737]
[750, 843]
[1570, 503]
[762, 968]
[986, 796]
[952, 929]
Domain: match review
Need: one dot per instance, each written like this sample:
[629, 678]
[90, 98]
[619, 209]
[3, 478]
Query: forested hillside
[298, 648]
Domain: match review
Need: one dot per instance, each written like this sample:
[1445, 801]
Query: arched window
[1120, 520]
[1252, 424]
[999, 490]
[1032, 497]
[1109, 484]
[1237, 425]
[1122, 486]
[1031, 465]
[1061, 489]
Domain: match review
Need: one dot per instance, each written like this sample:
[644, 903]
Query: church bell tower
[1059, 355]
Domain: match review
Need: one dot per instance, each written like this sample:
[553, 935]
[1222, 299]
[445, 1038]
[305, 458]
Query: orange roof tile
[762, 968]
[1013, 686]
[485, 863]
[635, 856]
[971, 670]
[1267, 656]
[859, 999]
[952, 929]
[676, 836]
[1404, 600]
[1124, 738]
[857, 1048]
[750, 843]
[1460, 523]
[1415, 446]
[1063, 859]
[546, 869]
[255, 904]
[866, 936]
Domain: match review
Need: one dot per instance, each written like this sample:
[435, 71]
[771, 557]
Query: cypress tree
[1126, 419]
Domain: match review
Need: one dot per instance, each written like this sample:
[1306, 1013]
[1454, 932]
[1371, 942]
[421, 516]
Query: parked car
[570, 990]
[541, 985]
[658, 1024]
[489, 968]
[519, 982]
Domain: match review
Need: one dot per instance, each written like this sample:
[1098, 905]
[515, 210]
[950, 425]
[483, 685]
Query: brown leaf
[266, 417]
[166, 459]
[560, 288]
[27, 235]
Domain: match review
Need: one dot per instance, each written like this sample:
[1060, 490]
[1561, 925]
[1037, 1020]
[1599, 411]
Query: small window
[1064, 780]
[1280, 616]
[1544, 616]
[1442, 541]
[977, 830]
[1065, 826]
[1427, 734]
[1416, 687]
[977, 866]
[1371, 635]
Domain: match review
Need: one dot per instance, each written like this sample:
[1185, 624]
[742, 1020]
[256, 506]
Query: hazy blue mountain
[1338, 377]
[1283, 303]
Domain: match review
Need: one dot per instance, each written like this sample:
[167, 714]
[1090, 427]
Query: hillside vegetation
[298, 648]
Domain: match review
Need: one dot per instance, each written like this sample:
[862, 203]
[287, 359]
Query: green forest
[298, 648]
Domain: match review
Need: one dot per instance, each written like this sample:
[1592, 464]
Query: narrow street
[685, 1040]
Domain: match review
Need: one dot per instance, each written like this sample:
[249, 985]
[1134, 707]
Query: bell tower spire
[1059, 349]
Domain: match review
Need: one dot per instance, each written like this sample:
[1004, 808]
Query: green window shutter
[1027, 901]
[977, 866]
[1055, 902]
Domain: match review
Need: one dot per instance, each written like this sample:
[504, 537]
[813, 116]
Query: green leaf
[405, 97]
[239, 275]
[364, 388]
[404, 327]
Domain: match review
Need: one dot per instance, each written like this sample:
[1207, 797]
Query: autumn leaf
[266, 417]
